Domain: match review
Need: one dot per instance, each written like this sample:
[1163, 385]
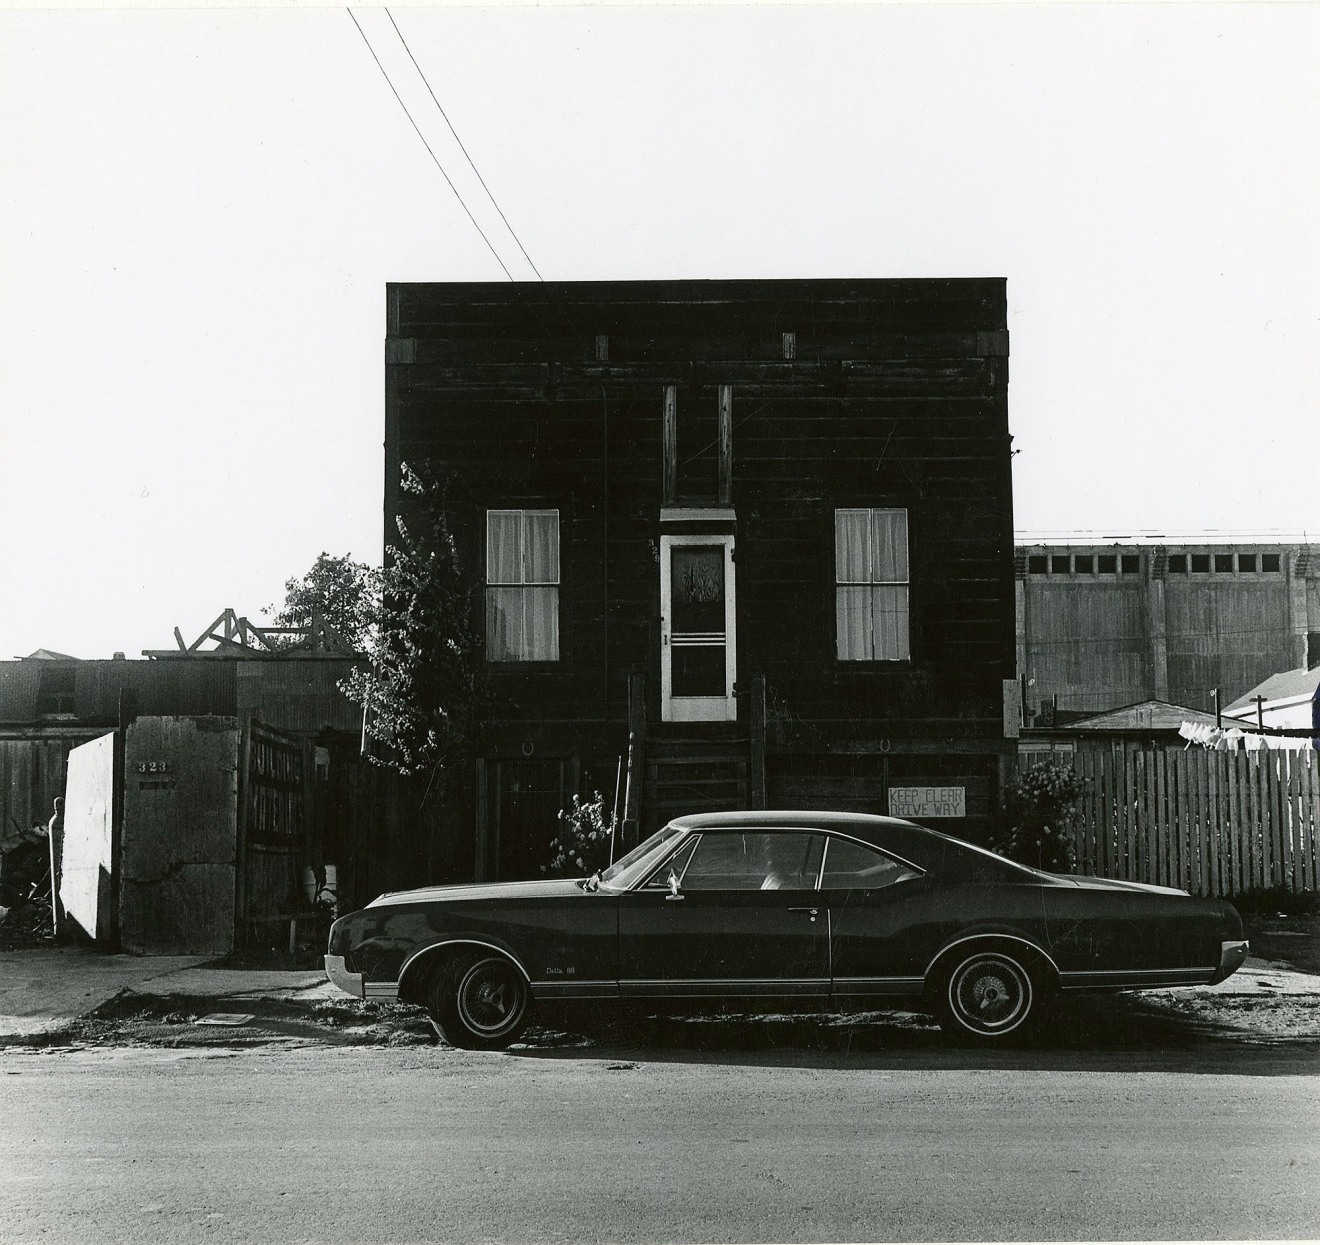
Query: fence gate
[86, 885]
[274, 827]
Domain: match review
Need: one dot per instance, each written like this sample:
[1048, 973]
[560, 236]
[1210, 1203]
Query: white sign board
[919, 802]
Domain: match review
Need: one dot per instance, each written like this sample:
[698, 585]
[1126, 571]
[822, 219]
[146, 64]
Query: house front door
[697, 643]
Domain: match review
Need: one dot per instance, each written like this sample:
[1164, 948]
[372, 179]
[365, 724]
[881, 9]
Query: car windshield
[628, 870]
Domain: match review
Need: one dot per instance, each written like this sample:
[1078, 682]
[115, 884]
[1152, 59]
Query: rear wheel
[480, 1004]
[986, 996]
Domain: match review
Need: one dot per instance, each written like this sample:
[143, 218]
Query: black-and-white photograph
[659, 623]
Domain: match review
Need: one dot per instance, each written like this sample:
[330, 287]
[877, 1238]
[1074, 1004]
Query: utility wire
[463, 149]
[427, 145]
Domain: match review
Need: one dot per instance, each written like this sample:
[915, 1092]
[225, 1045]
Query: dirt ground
[1167, 1019]
[1250, 1008]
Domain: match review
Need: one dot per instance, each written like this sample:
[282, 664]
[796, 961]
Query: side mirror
[673, 886]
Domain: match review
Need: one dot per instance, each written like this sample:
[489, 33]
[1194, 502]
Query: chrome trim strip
[707, 987]
[349, 983]
[458, 942]
[878, 987]
[382, 990]
[1134, 979]
[991, 934]
[877, 981]
[575, 989]
[1134, 972]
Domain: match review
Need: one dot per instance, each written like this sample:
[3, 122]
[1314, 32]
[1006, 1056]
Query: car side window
[742, 861]
[851, 866]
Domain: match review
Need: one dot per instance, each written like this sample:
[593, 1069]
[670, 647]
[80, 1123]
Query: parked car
[827, 911]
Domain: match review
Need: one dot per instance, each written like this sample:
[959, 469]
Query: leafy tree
[341, 591]
[424, 693]
[1039, 812]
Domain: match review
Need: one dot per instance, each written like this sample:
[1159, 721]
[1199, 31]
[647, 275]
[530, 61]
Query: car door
[877, 906]
[735, 913]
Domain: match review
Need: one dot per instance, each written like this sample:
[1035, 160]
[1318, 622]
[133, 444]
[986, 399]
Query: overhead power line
[427, 145]
[461, 147]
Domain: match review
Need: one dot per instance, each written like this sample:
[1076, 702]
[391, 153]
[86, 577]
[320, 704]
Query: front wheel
[480, 1004]
[986, 996]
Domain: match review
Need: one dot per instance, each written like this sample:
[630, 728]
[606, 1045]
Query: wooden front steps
[694, 770]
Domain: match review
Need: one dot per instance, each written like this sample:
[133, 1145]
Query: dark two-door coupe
[832, 911]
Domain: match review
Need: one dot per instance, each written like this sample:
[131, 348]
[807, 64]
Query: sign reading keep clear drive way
[921, 802]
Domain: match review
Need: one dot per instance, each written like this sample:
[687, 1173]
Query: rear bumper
[1232, 955]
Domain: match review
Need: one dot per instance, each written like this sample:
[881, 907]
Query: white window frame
[524, 583]
[904, 654]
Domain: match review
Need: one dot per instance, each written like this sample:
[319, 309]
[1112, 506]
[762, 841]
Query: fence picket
[1311, 802]
[1269, 822]
[1292, 878]
[1107, 808]
[1163, 849]
[1085, 832]
[1200, 778]
[1149, 861]
[1258, 847]
[1179, 803]
[1214, 823]
[1122, 811]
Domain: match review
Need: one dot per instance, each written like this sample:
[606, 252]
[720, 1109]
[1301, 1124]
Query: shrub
[583, 843]
[1039, 810]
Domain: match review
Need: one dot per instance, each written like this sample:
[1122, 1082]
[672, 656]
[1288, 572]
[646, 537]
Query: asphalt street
[426, 1143]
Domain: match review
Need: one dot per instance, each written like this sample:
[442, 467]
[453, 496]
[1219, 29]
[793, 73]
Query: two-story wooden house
[741, 543]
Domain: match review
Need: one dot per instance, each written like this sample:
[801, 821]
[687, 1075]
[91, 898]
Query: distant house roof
[1290, 685]
[46, 654]
[1145, 715]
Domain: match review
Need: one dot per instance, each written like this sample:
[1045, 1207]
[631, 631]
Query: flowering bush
[583, 843]
[1040, 807]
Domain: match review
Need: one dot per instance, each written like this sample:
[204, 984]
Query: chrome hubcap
[990, 995]
[490, 998]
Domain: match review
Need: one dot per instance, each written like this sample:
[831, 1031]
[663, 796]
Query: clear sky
[199, 210]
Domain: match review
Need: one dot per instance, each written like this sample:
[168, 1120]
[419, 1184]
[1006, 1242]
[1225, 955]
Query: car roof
[918, 844]
[788, 819]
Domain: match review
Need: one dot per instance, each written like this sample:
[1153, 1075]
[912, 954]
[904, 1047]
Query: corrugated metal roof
[1288, 685]
[1145, 715]
[297, 695]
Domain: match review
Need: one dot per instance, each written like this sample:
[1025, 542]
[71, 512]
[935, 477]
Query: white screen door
[697, 650]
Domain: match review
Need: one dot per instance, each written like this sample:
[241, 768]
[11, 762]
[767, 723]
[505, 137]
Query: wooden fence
[1213, 823]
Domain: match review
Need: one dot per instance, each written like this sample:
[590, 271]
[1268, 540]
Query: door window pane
[850, 866]
[749, 862]
[697, 669]
[697, 589]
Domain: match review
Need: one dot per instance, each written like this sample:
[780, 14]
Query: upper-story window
[522, 585]
[871, 584]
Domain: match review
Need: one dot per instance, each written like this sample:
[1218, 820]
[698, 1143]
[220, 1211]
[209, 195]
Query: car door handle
[671, 898]
[811, 911]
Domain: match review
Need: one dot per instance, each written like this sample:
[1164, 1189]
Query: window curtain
[871, 574]
[522, 578]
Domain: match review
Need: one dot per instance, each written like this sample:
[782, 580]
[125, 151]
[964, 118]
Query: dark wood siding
[896, 396]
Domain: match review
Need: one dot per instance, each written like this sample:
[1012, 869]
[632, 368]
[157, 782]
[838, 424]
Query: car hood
[1114, 884]
[481, 891]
